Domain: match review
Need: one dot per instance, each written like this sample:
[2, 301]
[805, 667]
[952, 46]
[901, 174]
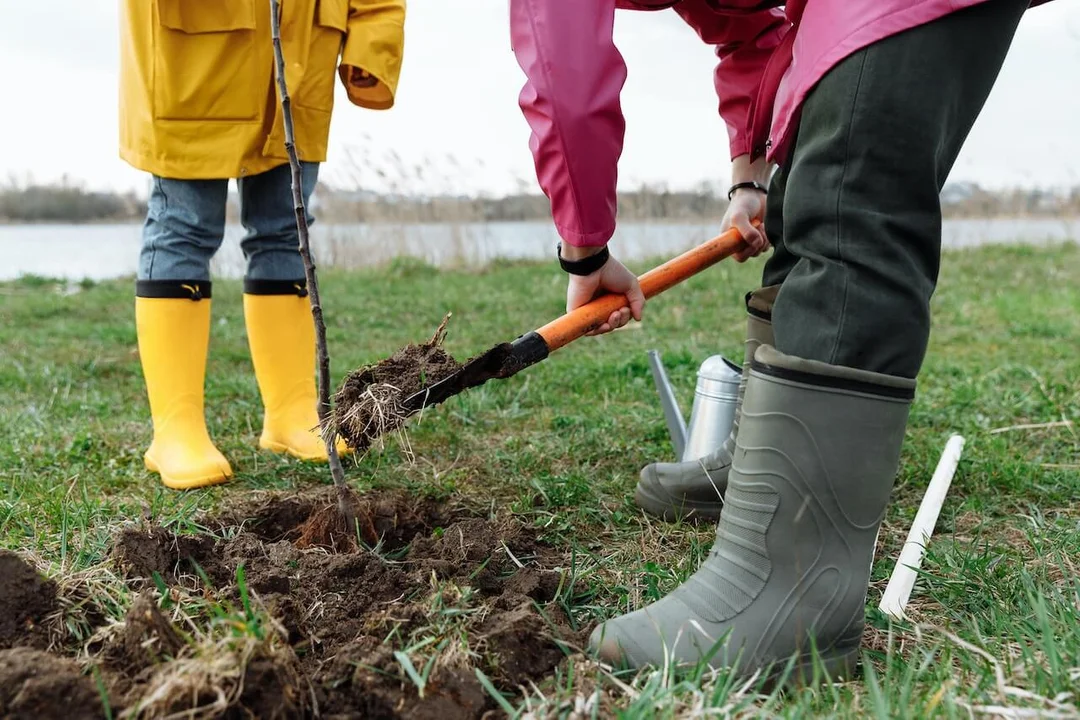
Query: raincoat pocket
[205, 64]
[327, 38]
[333, 14]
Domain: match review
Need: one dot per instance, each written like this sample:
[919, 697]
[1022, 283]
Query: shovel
[507, 359]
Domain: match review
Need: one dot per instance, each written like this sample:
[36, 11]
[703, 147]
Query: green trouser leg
[824, 414]
[859, 255]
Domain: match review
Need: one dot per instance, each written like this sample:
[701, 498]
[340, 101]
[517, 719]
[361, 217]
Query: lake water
[100, 252]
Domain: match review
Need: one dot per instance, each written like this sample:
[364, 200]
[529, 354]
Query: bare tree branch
[329, 432]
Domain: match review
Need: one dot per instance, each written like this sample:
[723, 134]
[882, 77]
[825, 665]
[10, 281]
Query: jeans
[185, 225]
[854, 215]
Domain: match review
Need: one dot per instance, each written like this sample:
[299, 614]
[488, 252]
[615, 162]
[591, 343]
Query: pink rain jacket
[769, 60]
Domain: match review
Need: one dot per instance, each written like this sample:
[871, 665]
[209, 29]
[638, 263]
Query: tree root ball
[369, 403]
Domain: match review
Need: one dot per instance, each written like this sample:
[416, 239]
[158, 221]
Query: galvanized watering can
[713, 411]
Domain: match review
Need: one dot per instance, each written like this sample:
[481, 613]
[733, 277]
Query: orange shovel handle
[588, 317]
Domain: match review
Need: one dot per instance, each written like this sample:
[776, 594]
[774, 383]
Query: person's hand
[613, 277]
[358, 77]
[747, 204]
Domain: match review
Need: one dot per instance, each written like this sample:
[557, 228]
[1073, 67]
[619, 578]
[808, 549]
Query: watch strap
[750, 185]
[585, 266]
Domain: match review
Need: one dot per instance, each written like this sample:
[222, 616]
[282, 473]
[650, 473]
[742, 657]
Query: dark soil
[26, 599]
[147, 638]
[372, 400]
[140, 552]
[34, 684]
[342, 614]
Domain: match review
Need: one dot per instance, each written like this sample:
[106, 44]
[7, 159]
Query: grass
[996, 612]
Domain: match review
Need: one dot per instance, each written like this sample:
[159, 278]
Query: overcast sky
[458, 97]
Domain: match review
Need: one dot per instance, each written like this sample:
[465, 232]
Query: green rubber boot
[814, 465]
[695, 489]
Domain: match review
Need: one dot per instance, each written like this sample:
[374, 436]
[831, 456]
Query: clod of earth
[371, 400]
[34, 684]
[146, 638]
[324, 623]
[25, 601]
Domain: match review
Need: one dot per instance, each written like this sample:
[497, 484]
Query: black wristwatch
[585, 266]
[749, 185]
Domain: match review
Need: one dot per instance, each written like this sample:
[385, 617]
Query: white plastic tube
[898, 591]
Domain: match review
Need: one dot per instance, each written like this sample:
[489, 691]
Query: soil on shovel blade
[332, 621]
[369, 403]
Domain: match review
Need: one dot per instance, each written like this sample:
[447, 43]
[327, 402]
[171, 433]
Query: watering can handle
[580, 321]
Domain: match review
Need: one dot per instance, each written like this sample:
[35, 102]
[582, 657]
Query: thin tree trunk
[329, 433]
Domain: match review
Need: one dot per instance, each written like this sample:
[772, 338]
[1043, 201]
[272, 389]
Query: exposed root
[372, 400]
[378, 411]
[369, 404]
[328, 528]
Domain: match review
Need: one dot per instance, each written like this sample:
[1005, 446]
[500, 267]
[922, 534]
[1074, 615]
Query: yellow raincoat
[197, 92]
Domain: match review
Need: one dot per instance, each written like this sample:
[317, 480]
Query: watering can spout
[672, 415]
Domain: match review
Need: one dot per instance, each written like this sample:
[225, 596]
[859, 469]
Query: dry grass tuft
[213, 675]
[377, 412]
[83, 599]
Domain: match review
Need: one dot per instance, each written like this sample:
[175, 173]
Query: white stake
[897, 592]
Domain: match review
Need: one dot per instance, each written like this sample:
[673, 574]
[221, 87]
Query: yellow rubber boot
[174, 334]
[281, 334]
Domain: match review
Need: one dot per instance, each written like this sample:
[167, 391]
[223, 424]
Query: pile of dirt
[371, 401]
[335, 618]
[35, 684]
[26, 599]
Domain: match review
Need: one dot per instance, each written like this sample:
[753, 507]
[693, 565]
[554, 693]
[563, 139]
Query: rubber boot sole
[279, 448]
[807, 671]
[207, 480]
